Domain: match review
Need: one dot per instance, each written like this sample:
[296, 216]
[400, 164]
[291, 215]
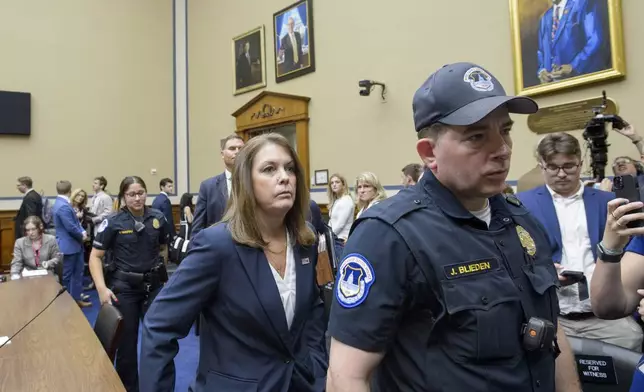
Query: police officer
[450, 286]
[135, 236]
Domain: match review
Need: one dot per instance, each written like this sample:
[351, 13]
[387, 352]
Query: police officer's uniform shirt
[133, 251]
[577, 254]
[441, 294]
[286, 285]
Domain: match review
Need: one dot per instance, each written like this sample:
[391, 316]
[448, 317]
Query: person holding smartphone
[574, 218]
[618, 282]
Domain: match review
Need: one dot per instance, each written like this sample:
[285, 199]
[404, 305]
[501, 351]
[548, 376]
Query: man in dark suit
[70, 237]
[214, 192]
[163, 204]
[31, 205]
[291, 44]
[244, 67]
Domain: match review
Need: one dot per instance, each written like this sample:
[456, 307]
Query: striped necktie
[555, 21]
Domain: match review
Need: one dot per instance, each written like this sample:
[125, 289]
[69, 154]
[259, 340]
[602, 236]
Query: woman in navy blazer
[252, 276]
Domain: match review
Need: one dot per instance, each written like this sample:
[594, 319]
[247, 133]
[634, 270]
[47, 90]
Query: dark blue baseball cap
[463, 94]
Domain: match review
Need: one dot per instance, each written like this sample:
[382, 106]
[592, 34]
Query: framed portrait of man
[560, 44]
[249, 61]
[294, 45]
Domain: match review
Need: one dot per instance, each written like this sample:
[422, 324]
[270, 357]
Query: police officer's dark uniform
[136, 276]
[443, 295]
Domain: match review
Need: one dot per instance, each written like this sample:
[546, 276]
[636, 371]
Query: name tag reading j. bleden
[469, 268]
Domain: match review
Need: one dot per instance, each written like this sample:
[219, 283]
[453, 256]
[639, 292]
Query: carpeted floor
[185, 362]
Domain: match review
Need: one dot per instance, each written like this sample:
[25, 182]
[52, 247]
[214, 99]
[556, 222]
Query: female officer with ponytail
[136, 237]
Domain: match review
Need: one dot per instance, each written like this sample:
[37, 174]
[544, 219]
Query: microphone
[62, 290]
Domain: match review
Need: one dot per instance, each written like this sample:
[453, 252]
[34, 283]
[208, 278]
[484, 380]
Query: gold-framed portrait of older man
[561, 44]
[249, 61]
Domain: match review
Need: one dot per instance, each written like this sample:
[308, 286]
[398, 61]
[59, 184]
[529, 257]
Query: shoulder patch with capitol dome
[355, 277]
[479, 79]
[102, 226]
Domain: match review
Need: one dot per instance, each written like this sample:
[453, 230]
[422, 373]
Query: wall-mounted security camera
[366, 86]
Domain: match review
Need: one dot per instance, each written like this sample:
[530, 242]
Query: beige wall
[400, 44]
[101, 78]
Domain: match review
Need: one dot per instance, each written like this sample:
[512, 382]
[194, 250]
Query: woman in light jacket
[341, 206]
[369, 190]
[35, 250]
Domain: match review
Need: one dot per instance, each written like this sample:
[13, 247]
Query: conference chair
[58, 271]
[108, 329]
[597, 374]
[332, 250]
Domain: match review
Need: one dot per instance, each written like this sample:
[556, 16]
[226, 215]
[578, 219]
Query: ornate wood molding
[269, 109]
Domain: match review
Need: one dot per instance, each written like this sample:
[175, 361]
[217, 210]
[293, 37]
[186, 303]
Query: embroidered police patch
[479, 79]
[468, 268]
[354, 281]
[102, 227]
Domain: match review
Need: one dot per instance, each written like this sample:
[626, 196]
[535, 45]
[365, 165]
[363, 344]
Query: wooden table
[58, 351]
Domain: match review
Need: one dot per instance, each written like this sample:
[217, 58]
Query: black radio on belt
[538, 334]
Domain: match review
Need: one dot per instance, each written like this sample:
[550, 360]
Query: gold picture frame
[534, 23]
[249, 61]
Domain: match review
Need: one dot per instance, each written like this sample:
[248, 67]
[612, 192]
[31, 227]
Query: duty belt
[149, 280]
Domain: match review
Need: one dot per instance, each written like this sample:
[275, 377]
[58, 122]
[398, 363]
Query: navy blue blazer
[247, 345]
[211, 203]
[69, 233]
[539, 202]
[163, 204]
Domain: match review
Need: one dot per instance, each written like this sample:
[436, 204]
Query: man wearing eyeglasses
[574, 217]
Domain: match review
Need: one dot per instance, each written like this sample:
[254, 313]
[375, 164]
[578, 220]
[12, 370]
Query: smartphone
[575, 276]
[626, 187]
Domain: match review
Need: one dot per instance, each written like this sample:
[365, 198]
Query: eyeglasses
[568, 168]
[622, 162]
[135, 194]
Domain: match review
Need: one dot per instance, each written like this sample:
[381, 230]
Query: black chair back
[330, 238]
[108, 329]
[604, 367]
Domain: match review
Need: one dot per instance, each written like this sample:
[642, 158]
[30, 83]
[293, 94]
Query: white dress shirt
[229, 181]
[286, 285]
[577, 253]
[559, 8]
[341, 216]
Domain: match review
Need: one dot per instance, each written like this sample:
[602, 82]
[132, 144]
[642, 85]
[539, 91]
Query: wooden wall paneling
[7, 239]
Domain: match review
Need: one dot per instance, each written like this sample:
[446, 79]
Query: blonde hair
[240, 213]
[77, 192]
[370, 179]
[331, 195]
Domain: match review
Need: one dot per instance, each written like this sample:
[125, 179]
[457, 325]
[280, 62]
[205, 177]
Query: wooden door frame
[271, 110]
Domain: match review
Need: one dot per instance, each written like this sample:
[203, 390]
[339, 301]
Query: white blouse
[286, 285]
[341, 216]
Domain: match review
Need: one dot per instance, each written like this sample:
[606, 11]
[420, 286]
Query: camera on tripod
[596, 134]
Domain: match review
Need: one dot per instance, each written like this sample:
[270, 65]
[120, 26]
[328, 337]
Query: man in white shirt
[574, 217]
[101, 204]
[291, 45]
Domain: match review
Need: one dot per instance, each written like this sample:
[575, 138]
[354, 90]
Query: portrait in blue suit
[70, 236]
[564, 39]
[572, 40]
